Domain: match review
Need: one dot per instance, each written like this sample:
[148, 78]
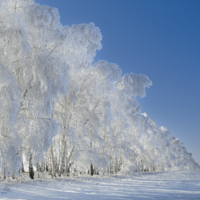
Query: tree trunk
[92, 169]
[67, 162]
[31, 171]
[22, 170]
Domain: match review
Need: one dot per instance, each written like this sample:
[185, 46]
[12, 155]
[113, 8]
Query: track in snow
[172, 185]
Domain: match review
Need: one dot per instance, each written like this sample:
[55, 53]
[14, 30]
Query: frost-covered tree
[75, 112]
[71, 115]
[99, 119]
[39, 75]
[9, 135]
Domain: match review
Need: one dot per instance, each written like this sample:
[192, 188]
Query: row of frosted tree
[65, 114]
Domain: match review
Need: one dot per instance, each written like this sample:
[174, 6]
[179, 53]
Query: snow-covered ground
[172, 185]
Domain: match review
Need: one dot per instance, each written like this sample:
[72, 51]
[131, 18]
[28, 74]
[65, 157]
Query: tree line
[64, 114]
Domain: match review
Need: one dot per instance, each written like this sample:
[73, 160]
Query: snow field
[169, 185]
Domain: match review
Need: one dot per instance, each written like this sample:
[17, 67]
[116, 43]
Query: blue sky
[158, 38]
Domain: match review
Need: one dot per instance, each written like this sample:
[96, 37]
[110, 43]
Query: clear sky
[158, 38]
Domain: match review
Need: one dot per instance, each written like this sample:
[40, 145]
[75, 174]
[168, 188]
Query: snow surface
[169, 185]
